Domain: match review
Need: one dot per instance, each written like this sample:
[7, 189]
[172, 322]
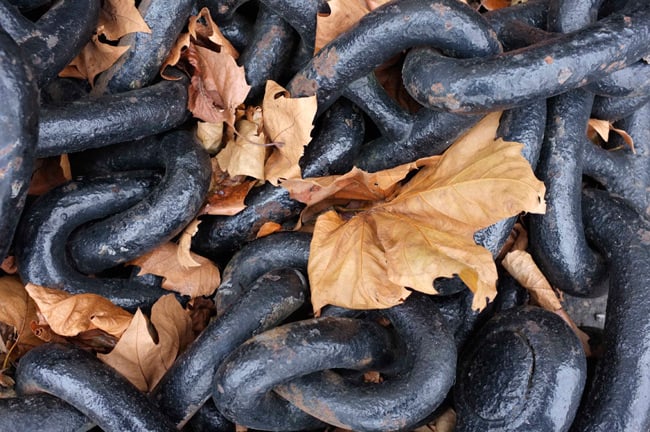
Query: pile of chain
[263, 363]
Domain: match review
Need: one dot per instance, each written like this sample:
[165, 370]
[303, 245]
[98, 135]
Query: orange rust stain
[437, 88]
[302, 86]
[325, 63]
[548, 60]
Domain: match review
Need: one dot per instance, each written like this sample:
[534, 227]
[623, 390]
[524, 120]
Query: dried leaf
[193, 282]
[201, 310]
[446, 422]
[203, 29]
[47, 175]
[426, 229]
[174, 56]
[210, 136]
[69, 315]
[602, 129]
[9, 265]
[288, 123]
[245, 154]
[227, 194]
[343, 15]
[495, 4]
[217, 87]
[18, 310]
[184, 255]
[268, 228]
[144, 358]
[120, 17]
[94, 58]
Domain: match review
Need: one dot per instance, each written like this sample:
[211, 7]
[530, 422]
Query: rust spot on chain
[325, 63]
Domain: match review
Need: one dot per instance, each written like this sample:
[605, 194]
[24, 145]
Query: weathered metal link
[446, 24]
[94, 388]
[408, 394]
[243, 384]
[267, 302]
[624, 173]
[538, 71]
[339, 137]
[97, 122]
[616, 108]
[557, 237]
[267, 53]
[632, 81]
[56, 38]
[523, 371]
[19, 120]
[139, 66]
[159, 216]
[41, 413]
[48, 223]
[617, 399]
[284, 249]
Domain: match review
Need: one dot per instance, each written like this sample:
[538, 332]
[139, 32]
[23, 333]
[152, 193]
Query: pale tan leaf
[268, 228]
[210, 136]
[64, 163]
[217, 87]
[288, 123]
[18, 310]
[425, 229]
[374, 4]
[246, 153]
[184, 255]
[343, 15]
[140, 358]
[626, 137]
[120, 17]
[94, 58]
[601, 127]
[193, 282]
[69, 315]
[202, 28]
[347, 266]
[584, 337]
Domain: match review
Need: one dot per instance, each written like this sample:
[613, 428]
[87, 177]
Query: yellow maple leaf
[288, 123]
[69, 315]
[425, 230]
[191, 281]
[138, 356]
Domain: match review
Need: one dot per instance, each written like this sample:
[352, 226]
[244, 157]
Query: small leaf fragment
[185, 242]
[210, 136]
[245, 154]
[69, 315]
[194, 281]
[18, 310]
[94, 58]
[120, 17]
[268, 228]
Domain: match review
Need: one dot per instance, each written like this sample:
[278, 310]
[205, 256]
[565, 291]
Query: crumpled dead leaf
[205, 31]
[117, 18]
[288, 123]
[227, 194]
[69, 315]
[143, 357]
[495, 4]
[602, 129]
[49, 173]
[210, 136]
[183, 253]
[425, 230]
[244, 155]
[268, 228]
[521, 266]
[193, 281]
[18, 310]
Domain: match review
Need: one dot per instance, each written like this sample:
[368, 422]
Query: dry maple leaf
[425, 230]
[288, 123]
[343, 15]
[218, 85]
[69, 315]
[227, 194]
[143, 358]
[210, 136]
[18, 310]
[194, 281]
[206, 32]
[183, 253]
[603, 127]
[93, 59]
[120, 17]
[244, 155]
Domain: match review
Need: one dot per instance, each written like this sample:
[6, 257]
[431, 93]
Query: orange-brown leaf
[195, 281]
[93, 59]
[268, 228]
[143, 358]
[343, 15]
[217, 87]
[185, 242]
[203, 29]
[120, 17]
[495, 4]
[48, 174]
[288, 123]
[228, 200]
[174, 56]
[426, 229]
[69, 315]
[603, 127]
[18, 310]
